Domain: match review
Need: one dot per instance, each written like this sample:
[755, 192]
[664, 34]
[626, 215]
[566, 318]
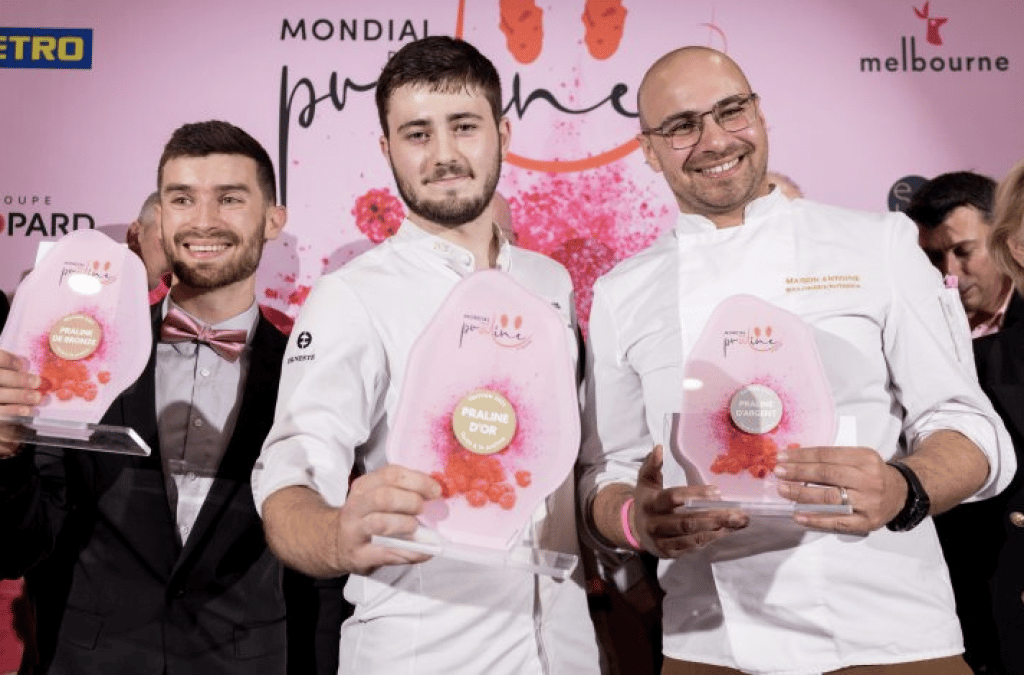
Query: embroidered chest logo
[823, 282]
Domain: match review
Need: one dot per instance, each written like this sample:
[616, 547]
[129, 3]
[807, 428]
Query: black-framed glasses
[682, 131]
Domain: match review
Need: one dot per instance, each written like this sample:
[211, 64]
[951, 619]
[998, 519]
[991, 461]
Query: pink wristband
[626, 529]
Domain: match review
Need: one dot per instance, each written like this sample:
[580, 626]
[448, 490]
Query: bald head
[143, 238]
[714, 171]
[683, 65]
[147, 213]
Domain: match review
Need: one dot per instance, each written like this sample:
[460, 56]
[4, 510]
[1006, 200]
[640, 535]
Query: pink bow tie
[180, 327]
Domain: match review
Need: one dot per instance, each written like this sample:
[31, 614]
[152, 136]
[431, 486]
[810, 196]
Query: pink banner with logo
[857, 96]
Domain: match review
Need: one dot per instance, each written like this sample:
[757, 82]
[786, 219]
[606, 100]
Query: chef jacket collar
[692, 223]
[456, 257]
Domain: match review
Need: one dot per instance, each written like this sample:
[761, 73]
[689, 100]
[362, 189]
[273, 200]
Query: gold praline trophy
[489, 409]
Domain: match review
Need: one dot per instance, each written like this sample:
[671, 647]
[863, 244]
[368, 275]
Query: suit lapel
[1014, 311]
[135, 485]
[1000, 361]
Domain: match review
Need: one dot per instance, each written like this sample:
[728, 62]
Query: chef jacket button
[1017, 518]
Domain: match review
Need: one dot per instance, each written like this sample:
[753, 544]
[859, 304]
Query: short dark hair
[933, 201]
[200, 139]
[439, 63]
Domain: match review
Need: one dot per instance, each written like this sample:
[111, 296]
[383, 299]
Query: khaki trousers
[951, 665]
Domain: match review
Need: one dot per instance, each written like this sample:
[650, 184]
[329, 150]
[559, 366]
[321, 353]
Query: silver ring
[844, 496]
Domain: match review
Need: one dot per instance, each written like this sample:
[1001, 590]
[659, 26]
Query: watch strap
[918, 504]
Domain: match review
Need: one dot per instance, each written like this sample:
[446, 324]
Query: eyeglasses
[735, 113]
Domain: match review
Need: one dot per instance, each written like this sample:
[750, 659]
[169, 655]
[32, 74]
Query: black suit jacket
[113, 588]
[984, 541]
[1014, 311]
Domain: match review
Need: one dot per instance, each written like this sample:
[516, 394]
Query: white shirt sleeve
[330, 396]
[926, 341]
[616, 437]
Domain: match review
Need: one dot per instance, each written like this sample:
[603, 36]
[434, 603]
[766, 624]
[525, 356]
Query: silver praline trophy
[753, 385]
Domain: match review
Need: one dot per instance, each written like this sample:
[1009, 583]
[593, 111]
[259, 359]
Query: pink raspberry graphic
[378, 214]
[586, 260]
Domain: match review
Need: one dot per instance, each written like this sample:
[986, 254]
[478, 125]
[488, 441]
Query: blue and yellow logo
[46, 48]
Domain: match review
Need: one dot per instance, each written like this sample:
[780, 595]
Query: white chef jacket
[895, 345]
[340, 384]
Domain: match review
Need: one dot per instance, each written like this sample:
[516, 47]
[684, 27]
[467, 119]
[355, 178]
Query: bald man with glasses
[809, 593]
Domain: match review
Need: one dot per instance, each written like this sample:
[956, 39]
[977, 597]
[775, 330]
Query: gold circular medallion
[484, 422]
[75, 337]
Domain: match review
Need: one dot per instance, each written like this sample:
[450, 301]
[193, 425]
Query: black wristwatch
[917, 505]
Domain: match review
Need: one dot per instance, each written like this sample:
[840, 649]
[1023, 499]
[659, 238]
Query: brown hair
[439, 63]
[200, 139]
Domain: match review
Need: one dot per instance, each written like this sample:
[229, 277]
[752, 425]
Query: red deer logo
[934, 23]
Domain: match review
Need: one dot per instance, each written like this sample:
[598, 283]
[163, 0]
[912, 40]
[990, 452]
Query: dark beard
[450, 212]
[209, 277]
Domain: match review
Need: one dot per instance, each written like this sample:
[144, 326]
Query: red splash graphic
[522, 22]
[586, 260]
[378, 214]
[484, 479]
[298, 296]
[67, 379]
[481, 479]
[605, 21]
[754, 453]
[588, 222]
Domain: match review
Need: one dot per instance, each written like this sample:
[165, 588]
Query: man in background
[143, 238]
[953, 213]
[786, 184]
[984, 542]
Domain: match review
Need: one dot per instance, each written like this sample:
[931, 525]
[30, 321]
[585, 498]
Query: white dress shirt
[341, 380]
[198, 396]
[895, 344]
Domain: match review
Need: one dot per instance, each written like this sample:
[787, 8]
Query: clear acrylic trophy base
[525, 558]
[71, 434]
[774, 508]
[763, 509]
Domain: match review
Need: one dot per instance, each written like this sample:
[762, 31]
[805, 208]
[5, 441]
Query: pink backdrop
[86, 141]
